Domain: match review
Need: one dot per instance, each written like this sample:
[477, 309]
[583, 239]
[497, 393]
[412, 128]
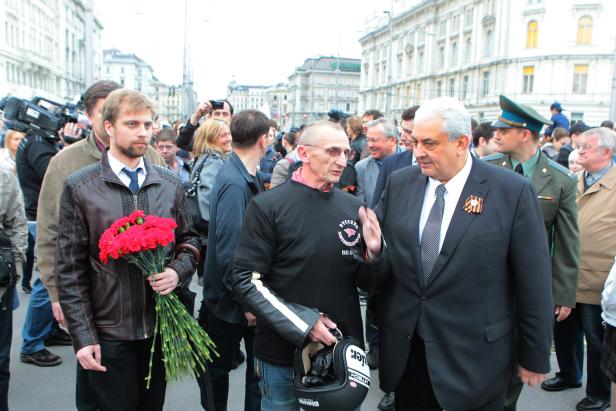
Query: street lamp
[389, 58]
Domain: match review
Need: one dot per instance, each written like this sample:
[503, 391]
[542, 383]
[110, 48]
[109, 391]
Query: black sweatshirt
[303, 243]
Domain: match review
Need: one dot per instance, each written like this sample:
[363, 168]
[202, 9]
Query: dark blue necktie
[134, 178]
[430, 238]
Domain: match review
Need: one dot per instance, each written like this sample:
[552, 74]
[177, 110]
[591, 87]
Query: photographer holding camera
[220, 109]
[33, 156]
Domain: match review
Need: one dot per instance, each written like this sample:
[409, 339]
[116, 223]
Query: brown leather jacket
[114, 301]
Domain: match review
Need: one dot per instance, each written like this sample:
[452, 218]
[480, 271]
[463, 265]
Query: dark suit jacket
[390, 164]
[493, 272]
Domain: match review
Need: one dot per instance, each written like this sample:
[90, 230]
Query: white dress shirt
[117, 166]
[453, 191]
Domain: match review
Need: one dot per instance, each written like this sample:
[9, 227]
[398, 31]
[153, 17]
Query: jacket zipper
[145, 332]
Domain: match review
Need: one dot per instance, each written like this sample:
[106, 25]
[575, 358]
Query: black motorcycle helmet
[335, 378]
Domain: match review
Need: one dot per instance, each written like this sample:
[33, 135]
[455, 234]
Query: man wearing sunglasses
[299, 291]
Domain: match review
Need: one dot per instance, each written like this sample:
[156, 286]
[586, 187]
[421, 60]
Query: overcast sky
[255, 42]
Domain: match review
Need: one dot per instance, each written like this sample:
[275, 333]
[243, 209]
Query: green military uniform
[556, 191]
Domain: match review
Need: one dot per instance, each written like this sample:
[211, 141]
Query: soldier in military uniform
[517, 137]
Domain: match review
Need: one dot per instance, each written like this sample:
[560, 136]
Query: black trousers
[123, 386]
[414, 391]
[227, 337]
[85, 400]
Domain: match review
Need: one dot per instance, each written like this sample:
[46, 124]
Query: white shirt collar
[117, 166]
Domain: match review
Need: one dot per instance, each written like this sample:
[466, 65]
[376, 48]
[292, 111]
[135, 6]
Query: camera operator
[220, 109]
[33, 156]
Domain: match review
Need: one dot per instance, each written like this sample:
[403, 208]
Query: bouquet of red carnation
[140, 239]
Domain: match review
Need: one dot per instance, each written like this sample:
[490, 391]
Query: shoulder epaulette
[493, 156]
[559, 167]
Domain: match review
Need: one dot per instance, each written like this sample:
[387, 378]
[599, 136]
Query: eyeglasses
[334, 152]
[586, 147]
[375, 139]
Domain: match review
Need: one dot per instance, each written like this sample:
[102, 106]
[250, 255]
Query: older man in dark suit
[447, 313]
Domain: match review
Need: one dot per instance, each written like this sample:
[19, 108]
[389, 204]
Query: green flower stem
[185, 346]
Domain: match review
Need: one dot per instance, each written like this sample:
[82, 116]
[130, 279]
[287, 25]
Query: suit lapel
[541, 176]
[460, 219]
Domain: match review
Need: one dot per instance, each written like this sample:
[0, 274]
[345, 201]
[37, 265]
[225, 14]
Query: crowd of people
[475, 245]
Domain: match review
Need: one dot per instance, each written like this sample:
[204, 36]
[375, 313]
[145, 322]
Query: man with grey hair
[297, 291]
[446, 313]
[596, 204]
[382, 139]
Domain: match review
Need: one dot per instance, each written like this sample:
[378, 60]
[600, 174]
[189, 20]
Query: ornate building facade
[534, 51]
[49, 48]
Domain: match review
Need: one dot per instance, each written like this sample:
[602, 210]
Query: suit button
[409, 337]
[423, 298]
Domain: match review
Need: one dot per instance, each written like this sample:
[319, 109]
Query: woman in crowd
[280, 173]
[212, 146]
[7, 154]
[355, 131]
[574, 165]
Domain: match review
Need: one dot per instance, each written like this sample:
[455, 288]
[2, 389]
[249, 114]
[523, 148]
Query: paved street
[52, 389]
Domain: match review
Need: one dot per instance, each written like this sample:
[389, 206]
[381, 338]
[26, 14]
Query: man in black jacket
[226, 321]
[109, 308]
[40, 329]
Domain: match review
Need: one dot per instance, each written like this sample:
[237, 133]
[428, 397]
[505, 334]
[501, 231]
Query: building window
[468, 18]
[580, 78]
[468, 49]
[576, 117]
[418, 92]
[439, 88]
[409, 64]
[487, 50]
[375, 78]
[529, 79]
[441, 55]
[455, 23]
[532, 33]
[454, 53]
[464, 87]
[452, 87]
[442, 28]
[399, 73]
[420, 61]
[584, 31]
[485, 90]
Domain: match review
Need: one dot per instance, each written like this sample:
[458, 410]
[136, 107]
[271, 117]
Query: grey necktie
[431, 235]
